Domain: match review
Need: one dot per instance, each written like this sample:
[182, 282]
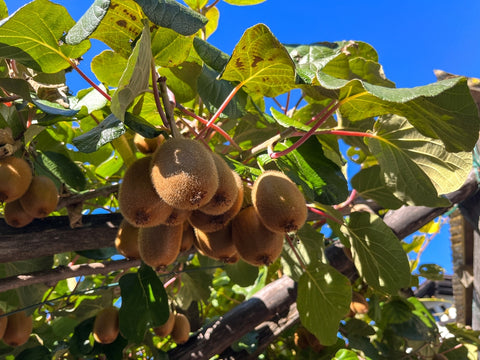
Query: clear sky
[412, 39]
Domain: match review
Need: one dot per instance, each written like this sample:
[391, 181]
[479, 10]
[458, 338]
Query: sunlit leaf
[182, 80]
[244, 2]
[88, 22]
[170, 48]
[213, 15]
[31, 36]
[431, 272]
[63, 168]
[108, 67]
[261, 63]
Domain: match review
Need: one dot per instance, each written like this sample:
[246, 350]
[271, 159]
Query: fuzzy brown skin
[126, 240]
[139, 203]
[19, 328]
[359, 304]
[188, 236]
[165, 329]
[41, 197]
[160, 245]
[181, 329]
[147, 145]
[177, 217]
[15, 216]
[278, 202]
[255, 244]
[3, 324]
[227, 190]
[211, 223]
[184, 173]
[106, 326]
[15, 178]
[217, 245]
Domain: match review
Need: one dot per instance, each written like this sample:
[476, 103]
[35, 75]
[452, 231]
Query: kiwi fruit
[188, 236]
[15, 178]
[181, 329]
[211, 223]
[19, 328]
[278, 202]
[147, 145]
[41, 197]
[165, 329]
[227, 190]
[184, 173]
[106, 325]
[304, 339]
[217, 245]
[160, 245]
[359, 304]
[139, 203]
[126, 240]
[177, 217]
[3, 324]
[255, 244]
[15, 216]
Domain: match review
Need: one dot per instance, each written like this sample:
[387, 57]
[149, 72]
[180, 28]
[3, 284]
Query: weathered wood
[273, 299]
[53, 235]
[65, 272]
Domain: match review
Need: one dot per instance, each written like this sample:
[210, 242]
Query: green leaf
[170, 14]
[63, 169]
[35, 353]
[212, 56]
[31, 36]
[214, 92]
[196, 4]
[320, 178]
[377, 253]
[3, 10]
[135, 78]
[345, 354]
[88, 22]
[195, 287]
[144, 303]
[403, 144]
[443, 110]
[453, 349]
[108, 67]
[261, 63]
[121, 26]
[92, 100]
[98, 254]
[241, 273]
[287, 121]
[182, 80]
[244, 2]
[109, 129]
[431, 272]
[370, 184]
[16, 86]
[170, 48]
[396, 311]
[323, 299]
[53, 108]
[141, 126]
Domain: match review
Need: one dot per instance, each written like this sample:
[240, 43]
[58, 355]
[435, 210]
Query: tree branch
[87, 195]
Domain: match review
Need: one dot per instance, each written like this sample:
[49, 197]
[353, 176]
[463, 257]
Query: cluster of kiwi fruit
[181, 193]
[177, 326]
[26, 196]
[15, 329]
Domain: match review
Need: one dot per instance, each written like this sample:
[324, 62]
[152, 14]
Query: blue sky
[411, 37]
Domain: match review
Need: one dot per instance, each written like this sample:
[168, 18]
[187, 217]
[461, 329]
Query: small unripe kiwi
[147, 145]
[160, 245]
[211, 223]
[3, 324]
[15, 178]
[126, 240]
[181, 329]
[41, 197]
[184, 173]
[15, 215]
[359, 304]
[139, 203]
[217, 245]
[165, 329]
[106, 325]
[188, 237]
[278, 202]
[227, 190]
[19, 328]
[255, 244]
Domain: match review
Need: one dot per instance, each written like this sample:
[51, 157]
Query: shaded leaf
[323, 299]
[144, 303]
[35, 353]
[212, 56]
[141, 126]
[377, 253]
[88, 22]
[98, 254]
[195, 287]
[63, 169]
[182, 80]
[109, 129]
[136, 75]
[261, 63]
[31, 36]
[108, 67]
[170, 14]
[16, 86]
[241, 273]
[431, 272]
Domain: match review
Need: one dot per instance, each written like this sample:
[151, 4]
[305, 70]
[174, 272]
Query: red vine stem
[347, 202]
[297, 255]
[169, 282]
[87, 79]
[324, 214]
[156, 95]
[287, 104]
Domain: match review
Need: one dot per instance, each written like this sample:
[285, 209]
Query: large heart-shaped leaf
[108, 67]
[88, 22]
[261, 63]
[31, 36]
[377, 252]
[212, 56]
[169, 48]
